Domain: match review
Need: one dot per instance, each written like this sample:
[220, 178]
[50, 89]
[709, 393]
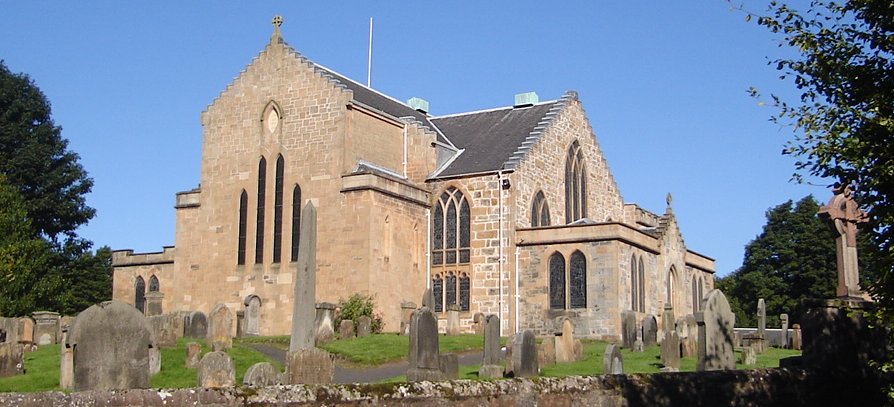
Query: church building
[510, 211]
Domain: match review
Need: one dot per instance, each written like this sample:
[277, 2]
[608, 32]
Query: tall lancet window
[539, 211]
[277, 210]
[296, 220]
[259, 231]
[243, 222]
[578, 280]
[450, 229]
[575, 184]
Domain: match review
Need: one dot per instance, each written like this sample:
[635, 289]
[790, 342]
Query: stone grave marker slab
[715, 334]
[612, 361]
[216, 370]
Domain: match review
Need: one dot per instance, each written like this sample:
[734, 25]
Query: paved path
[370, 374]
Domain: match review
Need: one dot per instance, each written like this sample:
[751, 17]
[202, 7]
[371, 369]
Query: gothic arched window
[139, 300]
[277, 210]
[153, 284]
[451, 236]
[259, 231]
[450, 288]
[575, 184]
[539, 211]
[578, 279]
[634, 284]
[464, 292]
[243, 219]
[642, 286]
[437, 290]
[557, 281]
[296, 220]
[694, 294]
[671, 285]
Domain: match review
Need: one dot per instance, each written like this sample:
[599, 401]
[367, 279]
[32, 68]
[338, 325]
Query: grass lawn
[383, 348]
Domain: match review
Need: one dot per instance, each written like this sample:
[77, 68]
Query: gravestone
[154, 361]
[64, 322]
[628, 329]
[448, 364]
[428, 299]
[749, 356]
[66, 361]
[163, 330]
[261, 374]
[252, 315]
[638, 345]
[490, 367]
[478, 323]
[650, 330]
[843, 215]
[612, 361]
[346, 329]
[687, 332]
[761, 319]
[565, 342]
[45, 325]
[304, 291]
[110, 344]
[796, 336]
[424, 359]
[783, 321]
[524, 355]
[546, 352]
[668, 322]
[10, 330]
[324, 323]
[179, 322]
[240, 323]
[309, 366]
[453, 320]
[216, 370]
[193, 355]
[11, 359]
[26, 332]
[754, 341]
[715, 333]
[364, 326]
[406, 311]
[670, 352]
[195, 325]
[220, 328]
[153, 303]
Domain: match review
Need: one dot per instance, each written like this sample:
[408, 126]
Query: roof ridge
[494, 109]
[538, 130]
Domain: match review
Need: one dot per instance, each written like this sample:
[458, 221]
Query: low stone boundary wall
[761, 387]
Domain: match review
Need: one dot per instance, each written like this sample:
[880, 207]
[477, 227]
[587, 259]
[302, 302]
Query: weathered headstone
[163, 330]
[428, 299]
[11, 359]
[252, 316]
[154, 361]
[843, 215]
[10, 330]
[749, 356]
[193, 355]
[638, 345]
[453, 320]
[195, 325]
[796, 336]
[261, 374]
[715, 333]
[153, 303]
[26, 332]
[66, 361]
[45, 325]
[628, 329]
[448, 364]
[612, 361]
[216, 370]
[754, 341]
[304, 291]
[324, 323]
[783, 321]
[670, 351]
[565, 342]
[406, 311]
[64, 322]
[668, 322]
[240, 323]
[110, 344]
[687, 332]
[424, 359]
[309, 366]
[179, 319]
[490, 367]
[546, 352]
[650, 330]
[220, 328]
[524, 355]
[761, 320]
[364, 326]
[478, 323]
[346, 329]
[578, 350]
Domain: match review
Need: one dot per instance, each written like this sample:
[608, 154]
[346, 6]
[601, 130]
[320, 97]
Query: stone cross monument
[843, 215]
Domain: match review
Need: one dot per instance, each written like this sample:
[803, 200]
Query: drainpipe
[427, 248]
[517, 296]
[500, 254]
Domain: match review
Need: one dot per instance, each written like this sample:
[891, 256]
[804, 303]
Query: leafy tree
[356, 306]
[35, 159]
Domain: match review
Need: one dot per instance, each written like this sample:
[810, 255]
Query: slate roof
[493, 140]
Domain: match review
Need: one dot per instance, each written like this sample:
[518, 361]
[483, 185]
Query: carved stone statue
[843, 215]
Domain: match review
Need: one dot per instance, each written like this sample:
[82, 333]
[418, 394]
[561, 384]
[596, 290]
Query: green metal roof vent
[418, 104]
[526, 99]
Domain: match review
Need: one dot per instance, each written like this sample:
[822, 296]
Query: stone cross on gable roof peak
[277, 22]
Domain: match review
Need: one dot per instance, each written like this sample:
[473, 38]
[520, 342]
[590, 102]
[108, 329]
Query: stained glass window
[557, 281]
[451, 236]
[578, 278]
[437, 289]
[296, 221]
[575, 184]
[139, 300]
[243, 219]
[277, 210]
[153, 284]
[259, 231]
[450, 288]
[464, 291]
[634, 284]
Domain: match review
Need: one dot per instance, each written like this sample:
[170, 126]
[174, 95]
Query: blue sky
[664, 85]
